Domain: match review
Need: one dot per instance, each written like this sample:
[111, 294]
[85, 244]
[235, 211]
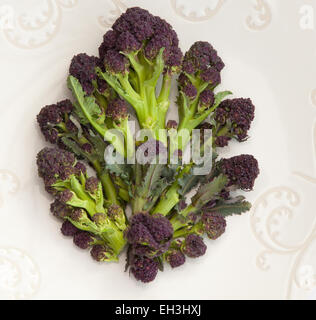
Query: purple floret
[52, 162]
[80, 168]
[138, 29]
[78, 215]
[100, 252]
[117, 110]
[57, 165]
[60, 209]
[83, 240]
[172, 124]
[64, 196]
[241, 171]
[194, 246]
[202, 60]
[92, 184]
[126, 42]
[87, 147]
[207, 98]
[83, 67]
[214, 224]
[176, 258]
[140, 21]
[144, 269]
[109, 42]
[51, 116]
[240, 113]
[190, 91]
[115, 62]
[221, 141]
[212, 76]
[68, 229]
[153, 231]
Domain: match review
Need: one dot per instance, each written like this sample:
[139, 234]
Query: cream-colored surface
[269, 48]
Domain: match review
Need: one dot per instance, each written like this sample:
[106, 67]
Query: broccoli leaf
[188, 182]
[86, 107]
[226, 209]
[120, 170]
[209, 191]
[151, 180]
[74, 147]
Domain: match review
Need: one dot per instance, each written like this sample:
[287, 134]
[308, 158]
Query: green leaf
[73, 147]
[86, 107]
[209, 191]
[98, 144]
[150, 181]
[120, 170]
[188, 182]
[219, 97]
[226, 209]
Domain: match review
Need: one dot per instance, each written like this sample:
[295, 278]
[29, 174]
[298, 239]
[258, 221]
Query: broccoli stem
[172, 197]
[114, 237]
[109, 188]
[87, 201]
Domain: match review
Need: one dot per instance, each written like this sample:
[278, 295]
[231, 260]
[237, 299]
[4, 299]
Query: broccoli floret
[57, 125]
[76, 195]
[150, 235]
[214, 224]
[144, 269]
[102, 253]
[84, 240]
[117, 215]
[194, 246]
[233, 118]
[242, 171]
[68, 229]
[175, 258]
[200, 75]
[139, 49]
[54, 121]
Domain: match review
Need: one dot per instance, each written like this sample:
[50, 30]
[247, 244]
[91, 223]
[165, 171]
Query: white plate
[269, 49]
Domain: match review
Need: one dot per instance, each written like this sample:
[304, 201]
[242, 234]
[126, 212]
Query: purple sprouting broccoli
[83, 68]
[201, 74]
[136, 52]
[242, 171]
[65, 178]
[233, 120]
[55, 123]
[214, 224]
[84, 240]
[194, 246]
[68, 229]
[149, 235]
[116, 215]
[60, 209]
[103, 253]
[144, 269]
[117, 111]
[172, 124]
[175, 257]
[60, 126]
[56, 165]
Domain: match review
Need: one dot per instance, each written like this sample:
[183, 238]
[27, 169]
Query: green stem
[167, 203]
[108, 186]
[115, 238]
